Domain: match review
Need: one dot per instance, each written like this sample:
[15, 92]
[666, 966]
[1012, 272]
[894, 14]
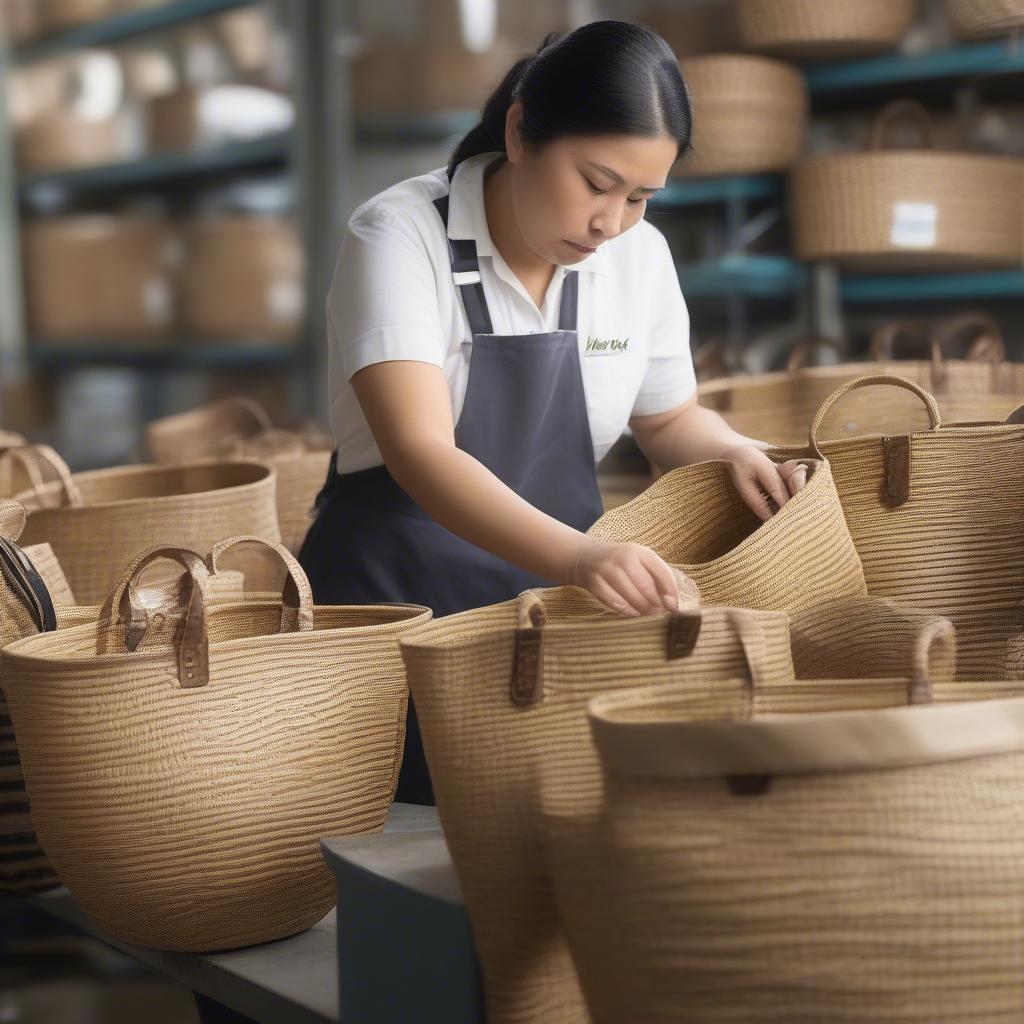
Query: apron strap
[466, 274]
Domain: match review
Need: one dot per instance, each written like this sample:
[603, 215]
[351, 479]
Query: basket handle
[13, 517]
[33, 457]
[710, 361]
[683, 628]
[122, 609]
[901, 110]
[937, 637]
[254, 409]
[899, 336]
[800, 353]
[297, 599]
[897, 449]
[985, 337]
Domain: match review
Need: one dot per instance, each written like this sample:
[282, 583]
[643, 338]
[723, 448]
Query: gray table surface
[291, 981]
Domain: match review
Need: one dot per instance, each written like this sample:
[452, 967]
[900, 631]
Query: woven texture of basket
[695, 519]
[96, 522]
[824, 29]
[501, 690]
[981, 19]
[834, 857]
[906, 210]
[749, 115]
[182, 767]
[935, 521]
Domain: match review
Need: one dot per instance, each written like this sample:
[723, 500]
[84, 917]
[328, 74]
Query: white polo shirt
[392, 297]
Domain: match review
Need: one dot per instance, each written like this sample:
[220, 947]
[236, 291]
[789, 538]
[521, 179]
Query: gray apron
[525, 418]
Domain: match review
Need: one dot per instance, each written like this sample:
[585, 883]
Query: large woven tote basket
[749, 115]
[182, 766]
[695, 519]
[982, 385]
[824, 29]
[500, 691]
[98, 521]
[908, 209]
[813, 859]
[237, 428]
[933, 518]
[47, 603]
[980, 19]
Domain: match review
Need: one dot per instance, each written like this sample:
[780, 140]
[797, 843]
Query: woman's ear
[513, 137]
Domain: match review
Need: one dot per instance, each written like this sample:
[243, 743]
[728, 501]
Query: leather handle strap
[297, 599]
[125, 621]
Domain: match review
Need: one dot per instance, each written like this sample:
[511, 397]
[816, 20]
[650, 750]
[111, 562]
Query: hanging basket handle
[711, 362]
[902, 110]
[122, 611]
[982, 333]
[801, 352]
[297, 599]
[33, 458]
[935, 640]
[254, 409]
[879, 380]
[892, 340]
[13, 517]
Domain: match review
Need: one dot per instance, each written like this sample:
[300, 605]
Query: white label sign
[914, 225]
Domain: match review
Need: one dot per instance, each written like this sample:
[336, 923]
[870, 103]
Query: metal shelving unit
[747, 276]
[316, 151]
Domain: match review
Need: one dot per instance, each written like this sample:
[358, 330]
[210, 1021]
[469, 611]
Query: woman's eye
[593, 188]
[637, 202]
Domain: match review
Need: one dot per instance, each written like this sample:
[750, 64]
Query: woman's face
[572, 195]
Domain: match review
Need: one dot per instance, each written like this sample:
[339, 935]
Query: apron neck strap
[466, 274]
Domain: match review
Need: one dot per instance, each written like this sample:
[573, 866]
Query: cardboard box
[100, 276]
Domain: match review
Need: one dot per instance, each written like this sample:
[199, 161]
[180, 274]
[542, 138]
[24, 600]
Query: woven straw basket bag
[97, 521]
[183, 765]
[832, 860]
[238, 428]
[935, 522]
[981, 386]
[824, 29]
[908, 210]
[695, 519]
[750, 115]
[501, 690]
[980, 19]
[34, 597]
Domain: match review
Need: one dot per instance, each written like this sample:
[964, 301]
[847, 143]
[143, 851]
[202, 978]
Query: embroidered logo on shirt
[606, 346]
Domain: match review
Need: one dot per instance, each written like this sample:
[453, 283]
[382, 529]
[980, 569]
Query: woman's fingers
[771, 482]
[750, 490]
[671, 586]
[641, 578]
[621, 580]
[611, 598]
[794, 473]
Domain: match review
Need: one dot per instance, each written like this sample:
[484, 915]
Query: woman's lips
[580, 248]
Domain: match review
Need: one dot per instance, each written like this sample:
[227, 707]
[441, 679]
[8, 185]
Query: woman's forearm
[462, 495]
[689, 434]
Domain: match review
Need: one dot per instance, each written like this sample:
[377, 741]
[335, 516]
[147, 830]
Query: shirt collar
[468, 219]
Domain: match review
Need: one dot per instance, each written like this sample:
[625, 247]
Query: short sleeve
[669, 379]
[382, 304]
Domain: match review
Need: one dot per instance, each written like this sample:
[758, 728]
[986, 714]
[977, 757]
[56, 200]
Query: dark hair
[605, 78]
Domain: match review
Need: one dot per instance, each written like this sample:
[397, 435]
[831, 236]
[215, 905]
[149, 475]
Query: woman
[494, 327]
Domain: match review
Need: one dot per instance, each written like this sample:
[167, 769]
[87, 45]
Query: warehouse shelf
[751, 277]
[991, 284]
[191, 355]
[391, 129]
[701, 191]
[122, 27]
[1003, 57]
[161, 168]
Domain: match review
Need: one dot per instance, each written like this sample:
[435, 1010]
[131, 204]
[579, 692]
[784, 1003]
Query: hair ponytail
[605, 78]
[489, 135]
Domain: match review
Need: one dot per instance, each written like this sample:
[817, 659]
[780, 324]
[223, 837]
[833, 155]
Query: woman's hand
[764, 485]
[628, 578]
